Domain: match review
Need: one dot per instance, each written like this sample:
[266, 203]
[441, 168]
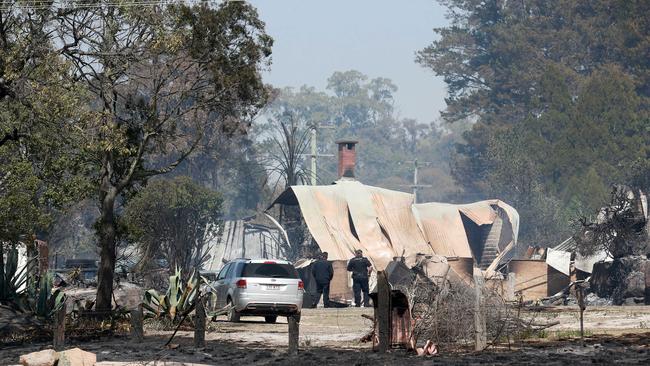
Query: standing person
[361, 268]
[323, 273]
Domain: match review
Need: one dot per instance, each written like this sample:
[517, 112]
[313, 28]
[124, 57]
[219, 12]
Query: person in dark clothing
[361, 268]
[323, 273]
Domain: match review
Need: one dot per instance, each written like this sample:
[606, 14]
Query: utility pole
[314, 152]
[415, 186]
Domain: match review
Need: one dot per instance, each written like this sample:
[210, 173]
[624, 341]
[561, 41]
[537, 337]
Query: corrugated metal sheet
[568, 245]
[384, 224]
[559, 259]
[443, 227]
[239, 240]
[479, 212]
[381, 219]
[395, 217]
[583, 263]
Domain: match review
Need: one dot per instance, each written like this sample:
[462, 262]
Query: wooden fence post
[646, 271]
[59, 329]
[383, 312]
[511, 286]
[580, 296]
[479, 315]
[199, 323]
[137, 330]
[294, 334]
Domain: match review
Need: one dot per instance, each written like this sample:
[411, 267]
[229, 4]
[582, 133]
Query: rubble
[593, 300]
[620, 280]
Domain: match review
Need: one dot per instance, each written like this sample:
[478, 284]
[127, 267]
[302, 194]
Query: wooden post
[137, 331]
[511, 286]
[580, 295]
[383, 312]
[646, 270]
[199, 321]
[294, 334]
[479, 315]
[59, 329]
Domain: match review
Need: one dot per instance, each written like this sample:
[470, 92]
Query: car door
[221, 286]
[230, 281]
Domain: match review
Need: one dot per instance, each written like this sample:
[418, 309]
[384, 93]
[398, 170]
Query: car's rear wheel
[270, 319]
[233, 315]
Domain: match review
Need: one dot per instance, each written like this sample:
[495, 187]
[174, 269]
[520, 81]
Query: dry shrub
[445, 314]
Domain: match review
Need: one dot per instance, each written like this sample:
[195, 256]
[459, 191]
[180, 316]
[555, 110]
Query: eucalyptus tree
[40, 108]
[562, 86]
[158, 77]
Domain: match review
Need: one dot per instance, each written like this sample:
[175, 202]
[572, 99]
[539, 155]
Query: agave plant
[45, 303]
[16, 292]
[179, 299]
[13, 282]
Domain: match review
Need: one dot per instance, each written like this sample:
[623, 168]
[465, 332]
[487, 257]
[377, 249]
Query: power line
[66, 5]
[314, 152]
[415, 186]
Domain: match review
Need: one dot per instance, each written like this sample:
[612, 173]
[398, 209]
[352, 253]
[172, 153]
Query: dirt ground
[331, 336]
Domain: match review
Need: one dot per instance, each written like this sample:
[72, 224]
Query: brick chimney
[347, 157]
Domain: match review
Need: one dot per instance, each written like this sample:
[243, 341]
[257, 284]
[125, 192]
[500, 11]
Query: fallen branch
[539, 326]
[368, 337]
[222, 311]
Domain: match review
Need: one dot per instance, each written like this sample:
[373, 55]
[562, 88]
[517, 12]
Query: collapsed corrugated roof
[349, 215]
[244, 238]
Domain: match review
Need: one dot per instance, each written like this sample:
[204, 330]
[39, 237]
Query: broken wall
[535, 279]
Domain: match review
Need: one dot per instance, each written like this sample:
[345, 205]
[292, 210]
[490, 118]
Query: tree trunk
[107, 238]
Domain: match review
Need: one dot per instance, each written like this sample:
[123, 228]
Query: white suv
[259, 287]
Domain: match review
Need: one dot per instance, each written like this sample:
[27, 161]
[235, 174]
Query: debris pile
[621, 233]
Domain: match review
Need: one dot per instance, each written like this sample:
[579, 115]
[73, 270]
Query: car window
[269, 270]
[224, 270]
[236, 269]
[229, 274]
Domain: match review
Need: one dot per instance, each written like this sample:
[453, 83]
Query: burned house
[614, 263]
[252, 237]
[349, 215]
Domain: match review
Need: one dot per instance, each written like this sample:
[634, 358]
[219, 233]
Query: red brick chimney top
[347, 157]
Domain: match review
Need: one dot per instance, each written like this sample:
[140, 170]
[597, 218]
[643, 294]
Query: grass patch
[566, 334]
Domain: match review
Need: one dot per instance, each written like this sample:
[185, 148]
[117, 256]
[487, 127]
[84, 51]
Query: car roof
[261, 260]
[276, 261]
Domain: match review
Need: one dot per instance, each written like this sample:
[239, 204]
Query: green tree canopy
[559, 94]
[40, 109]
[173, 220]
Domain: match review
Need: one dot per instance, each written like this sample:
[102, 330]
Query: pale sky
[379, 38]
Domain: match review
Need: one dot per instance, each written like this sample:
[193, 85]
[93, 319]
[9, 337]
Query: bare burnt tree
[618, 229]
[286, 145]
[154, 75]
